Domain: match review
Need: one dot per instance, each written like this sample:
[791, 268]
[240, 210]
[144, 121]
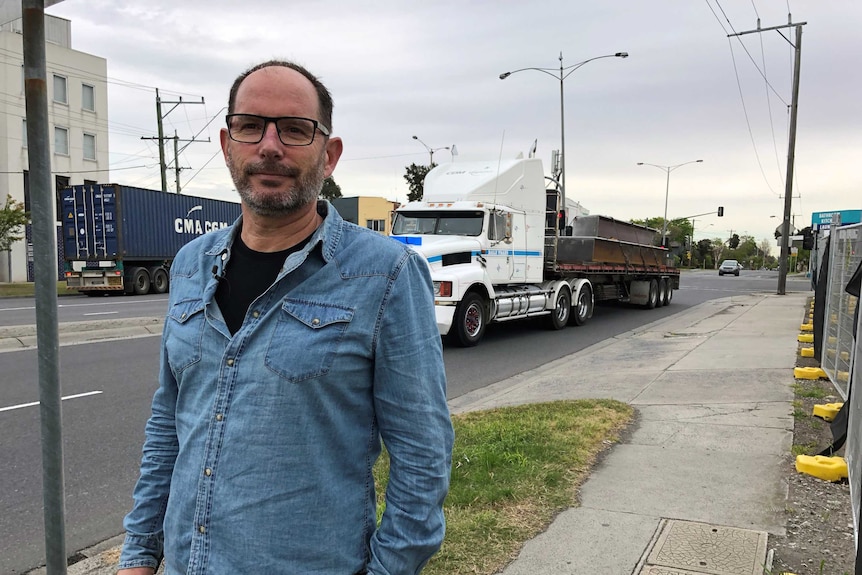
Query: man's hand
[137, 571]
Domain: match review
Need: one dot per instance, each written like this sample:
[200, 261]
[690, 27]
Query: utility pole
[177, 150]
[161, 137]
[791, 144]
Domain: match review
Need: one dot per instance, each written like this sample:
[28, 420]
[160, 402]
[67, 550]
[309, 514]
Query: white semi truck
[498, 249]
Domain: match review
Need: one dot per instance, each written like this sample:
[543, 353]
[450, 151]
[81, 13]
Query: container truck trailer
[123, 239]
[498, 250]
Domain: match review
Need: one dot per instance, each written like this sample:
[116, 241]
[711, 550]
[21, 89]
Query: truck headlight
[442, 289]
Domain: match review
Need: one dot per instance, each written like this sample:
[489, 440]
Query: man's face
[271, 178]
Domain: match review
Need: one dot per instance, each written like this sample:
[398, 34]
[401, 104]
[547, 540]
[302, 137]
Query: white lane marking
[121, 301]
[23, 405]
[101, 313]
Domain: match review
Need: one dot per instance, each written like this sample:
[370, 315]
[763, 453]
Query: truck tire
[159, 279]
[559, 317]
[652, 298]
[583, 307]
[468, 325]
[662, 292]
[668, 284]
[140, 281]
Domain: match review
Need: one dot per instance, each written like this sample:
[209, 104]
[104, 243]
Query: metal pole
[45, 266]
[664, 219]
[562, 142]
[162, 167]
[788, 184]
[177, 160]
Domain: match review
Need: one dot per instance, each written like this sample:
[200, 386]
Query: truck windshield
[439, 223]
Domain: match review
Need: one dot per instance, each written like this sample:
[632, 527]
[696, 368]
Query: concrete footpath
[696, 486]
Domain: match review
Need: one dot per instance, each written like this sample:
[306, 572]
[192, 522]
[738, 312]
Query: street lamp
[430, 149]
[667, 169]
[564, 72]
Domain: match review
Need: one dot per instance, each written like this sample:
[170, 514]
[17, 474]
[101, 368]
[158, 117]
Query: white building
[77, 116]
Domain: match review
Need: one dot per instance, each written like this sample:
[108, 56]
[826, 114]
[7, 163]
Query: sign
[822, 220]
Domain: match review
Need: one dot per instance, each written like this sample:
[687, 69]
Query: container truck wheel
[468, 325]
[669, 291]
[583, 307]
[662, 292]
[559, 317]
[159, 279]
[653, 298]
[140, 281]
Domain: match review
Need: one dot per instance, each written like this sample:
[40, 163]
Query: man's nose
[270, 143]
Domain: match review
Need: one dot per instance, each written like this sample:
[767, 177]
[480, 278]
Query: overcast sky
[431, 69]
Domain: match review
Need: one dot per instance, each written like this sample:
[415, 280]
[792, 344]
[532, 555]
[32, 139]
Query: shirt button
[202, 529]
[315, 321]
[208, 471]
[183, 316]
[219, 416]
[230, 362]
[255, 313]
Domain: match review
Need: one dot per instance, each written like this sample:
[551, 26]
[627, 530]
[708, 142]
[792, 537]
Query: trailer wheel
[652, 299]
[662, 292]
[583, 308]
[669, 291]
[468, 326]
[559, 317]
[159, 277]
[140, 281]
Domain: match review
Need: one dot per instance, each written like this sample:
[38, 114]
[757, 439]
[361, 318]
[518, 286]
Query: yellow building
[369, 212]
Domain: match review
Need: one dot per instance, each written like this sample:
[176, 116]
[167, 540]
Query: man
[294, 342]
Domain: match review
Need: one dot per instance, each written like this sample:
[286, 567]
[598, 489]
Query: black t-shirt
[248, 274]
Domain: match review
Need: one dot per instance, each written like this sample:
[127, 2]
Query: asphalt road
[110, 385]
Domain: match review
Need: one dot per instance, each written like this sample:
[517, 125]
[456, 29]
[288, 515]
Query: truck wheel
[662, 292]
[583, 308]
[469, 322]
[140, 281]
[669, 284]
[559, 317]
[159, 277]
[652, 299]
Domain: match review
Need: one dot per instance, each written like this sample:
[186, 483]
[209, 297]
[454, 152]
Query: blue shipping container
[110, 221]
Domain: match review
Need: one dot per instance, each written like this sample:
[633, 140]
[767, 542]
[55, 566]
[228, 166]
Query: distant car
[729, 267]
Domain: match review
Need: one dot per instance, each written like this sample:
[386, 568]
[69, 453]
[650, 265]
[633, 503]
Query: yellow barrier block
[830, 353]
[821, 467]
[831, 340]
[809, 373]
[805, 338]
[826, 411]
[844, 355]
[806, 327]
[807, 352]
[843, 376]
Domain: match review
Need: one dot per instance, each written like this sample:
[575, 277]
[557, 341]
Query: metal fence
[845, 253]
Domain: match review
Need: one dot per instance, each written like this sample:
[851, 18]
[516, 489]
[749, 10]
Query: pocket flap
[317, 315]
[182, 311]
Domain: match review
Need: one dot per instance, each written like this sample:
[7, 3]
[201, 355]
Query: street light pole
[431, 150]
[564, 73]
[667, 169]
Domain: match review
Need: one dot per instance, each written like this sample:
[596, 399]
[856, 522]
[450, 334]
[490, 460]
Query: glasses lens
[245, 128]
[295, 131]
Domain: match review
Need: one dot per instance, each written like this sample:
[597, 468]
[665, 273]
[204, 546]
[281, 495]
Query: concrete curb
[17, 337]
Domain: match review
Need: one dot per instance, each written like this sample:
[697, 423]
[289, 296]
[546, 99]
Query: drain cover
[687, 547]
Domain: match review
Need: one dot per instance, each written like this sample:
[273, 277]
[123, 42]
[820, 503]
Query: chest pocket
[306, 338]
[184, 334]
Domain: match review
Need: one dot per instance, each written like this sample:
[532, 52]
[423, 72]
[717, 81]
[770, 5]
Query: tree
[415, 176]
[330, 190]
[13, 218]
[678, 230]
[733, 242]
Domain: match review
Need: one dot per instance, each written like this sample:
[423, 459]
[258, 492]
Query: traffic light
[720, 211]
[807, 238]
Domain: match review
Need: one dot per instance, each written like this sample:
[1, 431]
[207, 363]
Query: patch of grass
[28, 289]
[803, 448]
[513, 470]
[814, 392]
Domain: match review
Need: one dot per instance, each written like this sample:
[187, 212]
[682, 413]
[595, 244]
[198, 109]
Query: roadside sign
[822, 220]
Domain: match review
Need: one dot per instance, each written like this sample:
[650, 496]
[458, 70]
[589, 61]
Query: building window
[61, 141]
[89, 147]
[24, 133]
[88, 97]
[60, 94]
[376, 225]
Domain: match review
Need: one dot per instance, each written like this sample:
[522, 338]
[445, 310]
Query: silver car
[729, 267]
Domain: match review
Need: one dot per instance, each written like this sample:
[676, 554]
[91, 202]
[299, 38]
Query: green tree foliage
[330, 190]
[415, 176]
[678, 231]
[13, 218]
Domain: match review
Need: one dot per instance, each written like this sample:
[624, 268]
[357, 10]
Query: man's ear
[334, 147]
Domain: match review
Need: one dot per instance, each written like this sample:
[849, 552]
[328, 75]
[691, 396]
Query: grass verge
[513, 470]
[28, 289]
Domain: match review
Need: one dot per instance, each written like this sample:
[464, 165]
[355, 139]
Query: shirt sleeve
[144, 542]
[414, 422]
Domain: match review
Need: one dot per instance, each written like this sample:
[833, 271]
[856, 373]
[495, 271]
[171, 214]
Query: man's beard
[267, 202]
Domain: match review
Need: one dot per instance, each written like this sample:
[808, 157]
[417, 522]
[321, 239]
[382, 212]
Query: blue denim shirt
[259, 450]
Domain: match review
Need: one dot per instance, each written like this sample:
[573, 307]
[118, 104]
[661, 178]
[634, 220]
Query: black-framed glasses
[292, 131]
